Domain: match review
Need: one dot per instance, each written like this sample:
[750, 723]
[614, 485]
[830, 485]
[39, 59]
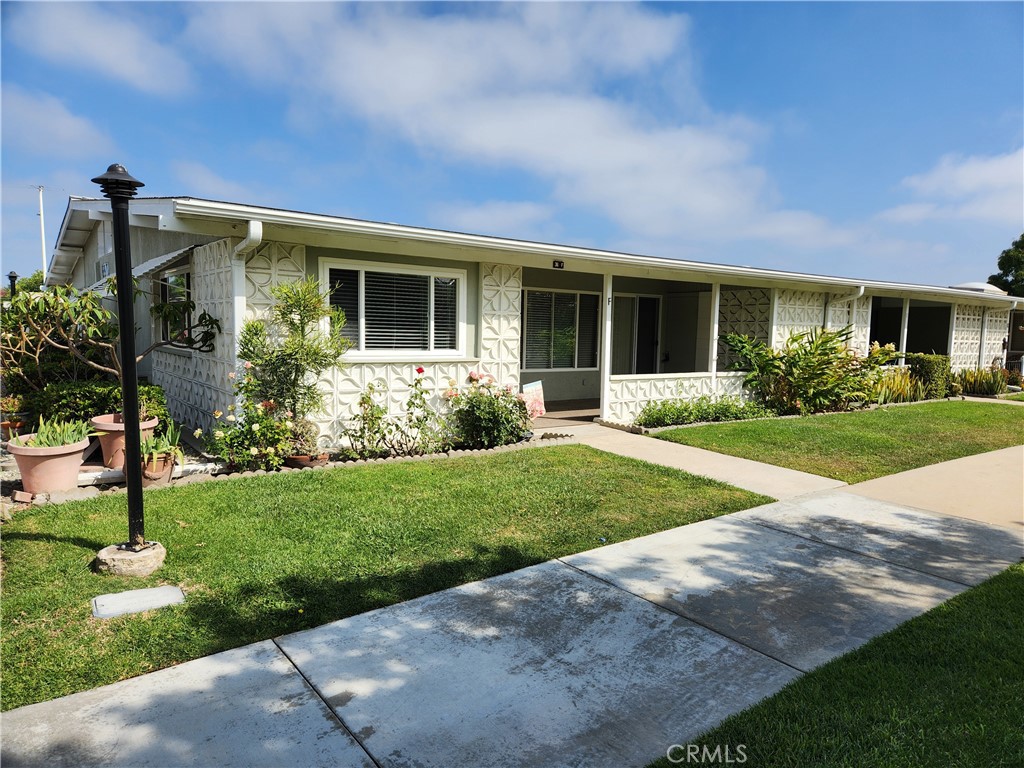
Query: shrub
[666, 413]
[286, 352]
[259, 439]
[70, 400]
[897, 385]
[933, 371]
[486, 415]
[1012, 378]
[981, 381]
[814, 372]
[419, 429]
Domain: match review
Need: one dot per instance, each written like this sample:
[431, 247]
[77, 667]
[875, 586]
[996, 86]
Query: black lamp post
[118, 185]
[12, 277]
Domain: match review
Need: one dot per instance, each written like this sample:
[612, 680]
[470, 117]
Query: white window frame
[575, 353]
[358, 354]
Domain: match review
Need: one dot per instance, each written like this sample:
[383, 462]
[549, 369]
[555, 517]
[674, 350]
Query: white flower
[288, 424]
[254, 450]
[219, 434]
[270, 450]
[197, 433]
[255, 427]
[229, 417]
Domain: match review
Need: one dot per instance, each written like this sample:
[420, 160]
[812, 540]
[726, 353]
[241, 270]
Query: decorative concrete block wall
[197, 383]
[744, 311]
[796, 312]
[629, 394]
[966, 336]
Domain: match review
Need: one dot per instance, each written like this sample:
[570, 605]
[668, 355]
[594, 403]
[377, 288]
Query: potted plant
[50, 458]
[111, 431]
[160, 453]
[305, 450]
[12, 415]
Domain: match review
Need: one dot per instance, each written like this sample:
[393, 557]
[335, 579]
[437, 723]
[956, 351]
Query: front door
[635, 325]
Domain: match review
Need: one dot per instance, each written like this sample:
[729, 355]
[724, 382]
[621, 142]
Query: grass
[262, 556]
[944, 689]
[854, 447]
[1019, 397]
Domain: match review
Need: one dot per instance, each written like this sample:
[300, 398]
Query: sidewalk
[604, 658]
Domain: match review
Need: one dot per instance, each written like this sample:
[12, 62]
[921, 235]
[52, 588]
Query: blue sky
[876, 140]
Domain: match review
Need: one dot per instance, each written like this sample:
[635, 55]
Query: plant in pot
[111, 431]
[13, 415]
[306, 451]
[160, 454]
[49, 459]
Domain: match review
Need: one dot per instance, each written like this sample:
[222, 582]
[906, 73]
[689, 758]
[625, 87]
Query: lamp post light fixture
[12, 278]
[119, 186]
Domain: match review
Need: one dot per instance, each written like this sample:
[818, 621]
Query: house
[614, 329]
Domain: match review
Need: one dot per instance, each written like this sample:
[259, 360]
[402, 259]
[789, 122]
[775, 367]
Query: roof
[183, 213]
[147, 268]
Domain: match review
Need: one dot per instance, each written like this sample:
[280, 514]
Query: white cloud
[99, 38]
[40, 124]
[204, 182]
[528, 86]
[977, 188]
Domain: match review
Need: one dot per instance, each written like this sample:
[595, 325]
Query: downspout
[841, 300]
[253, 237]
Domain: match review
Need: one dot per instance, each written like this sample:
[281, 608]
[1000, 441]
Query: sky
[876, 140]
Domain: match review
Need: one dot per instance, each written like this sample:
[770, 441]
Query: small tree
[76, 322]
[286, 352]
[1011, 269]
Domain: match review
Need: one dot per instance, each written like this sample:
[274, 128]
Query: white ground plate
[135, 601]
[245, 707]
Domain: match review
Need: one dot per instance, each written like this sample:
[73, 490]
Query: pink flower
[247, 365]
[231, 375]
[419, 370]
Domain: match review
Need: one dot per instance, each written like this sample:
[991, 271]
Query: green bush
[72, 400]
[418, 430]
[814, 372]
[486, 415]
[981, 381]
[933, 371]
[897, 385]
[666, 413]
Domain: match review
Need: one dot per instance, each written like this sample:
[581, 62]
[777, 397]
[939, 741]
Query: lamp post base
[123, 560]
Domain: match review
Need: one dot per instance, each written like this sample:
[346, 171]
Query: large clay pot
[303, 460]
[111, 427]
[44, 470]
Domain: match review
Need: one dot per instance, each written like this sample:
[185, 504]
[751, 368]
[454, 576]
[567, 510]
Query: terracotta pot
[44, 470]
[112, 439]
[158, 472]
[10, 429]
[300, 460]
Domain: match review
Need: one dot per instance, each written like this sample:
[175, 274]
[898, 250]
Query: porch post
[984, 333]
[716, 296]
[904, 325]
[606, 351]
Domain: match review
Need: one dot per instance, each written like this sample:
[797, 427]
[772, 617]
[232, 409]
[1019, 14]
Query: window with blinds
[559, 330]
[397, 310]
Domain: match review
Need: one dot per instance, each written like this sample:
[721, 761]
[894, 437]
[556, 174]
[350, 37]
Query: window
[176, 288]
[392, 309]
[559, 330]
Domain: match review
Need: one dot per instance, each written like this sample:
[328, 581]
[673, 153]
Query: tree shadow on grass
[258, 610]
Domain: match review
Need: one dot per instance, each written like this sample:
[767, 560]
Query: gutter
[253, 237]
[841, 300]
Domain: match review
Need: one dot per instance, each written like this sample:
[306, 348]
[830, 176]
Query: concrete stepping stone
[136, 601]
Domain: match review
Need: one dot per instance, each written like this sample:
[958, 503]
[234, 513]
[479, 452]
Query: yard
[262, 556]
[944, 689]
[854, 447]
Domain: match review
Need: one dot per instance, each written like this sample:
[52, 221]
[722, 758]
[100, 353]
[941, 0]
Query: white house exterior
[613, 328]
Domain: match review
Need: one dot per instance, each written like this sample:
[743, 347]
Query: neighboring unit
[611, 328]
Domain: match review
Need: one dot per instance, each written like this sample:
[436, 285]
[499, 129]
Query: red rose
[419, 370]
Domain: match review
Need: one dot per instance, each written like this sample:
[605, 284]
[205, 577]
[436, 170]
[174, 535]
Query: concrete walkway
[604, 658]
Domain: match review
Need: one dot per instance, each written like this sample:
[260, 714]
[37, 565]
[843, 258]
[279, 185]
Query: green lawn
[262, 556]
[859, 446]
[944, 690]
[1019, 397]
